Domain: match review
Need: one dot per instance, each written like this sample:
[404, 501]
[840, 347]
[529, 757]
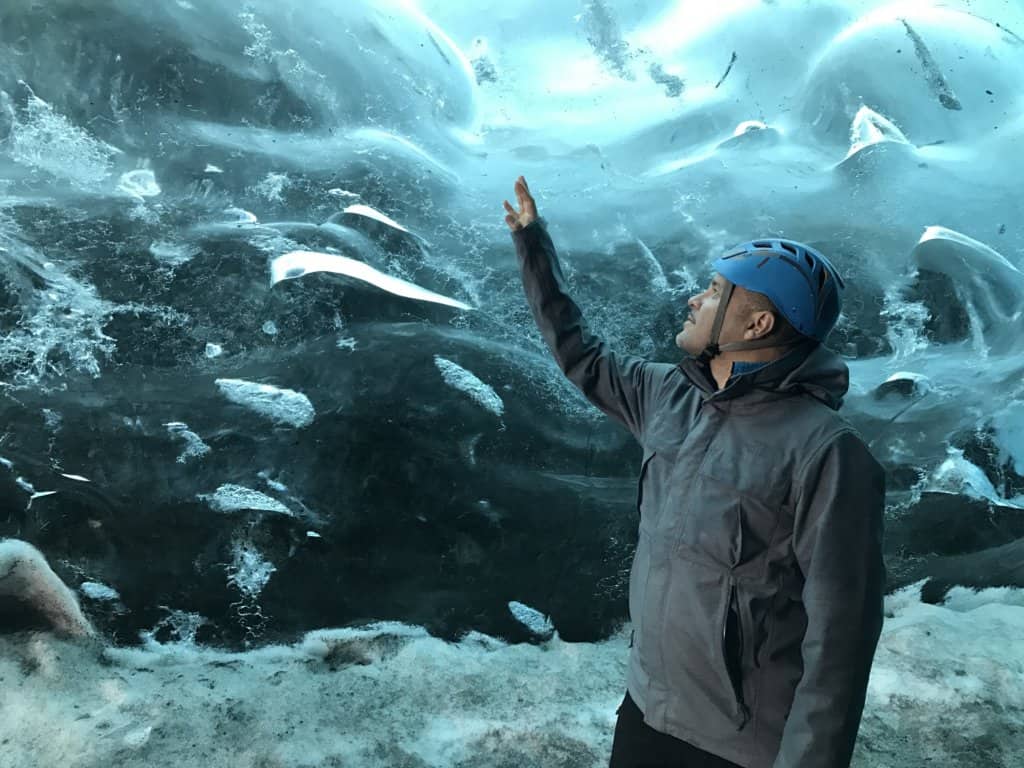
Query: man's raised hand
[527, 212]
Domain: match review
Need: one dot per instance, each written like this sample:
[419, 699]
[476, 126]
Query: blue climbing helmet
[803, 285]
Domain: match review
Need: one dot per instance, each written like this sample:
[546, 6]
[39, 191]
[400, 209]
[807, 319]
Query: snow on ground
[947, 690]
[392, 696]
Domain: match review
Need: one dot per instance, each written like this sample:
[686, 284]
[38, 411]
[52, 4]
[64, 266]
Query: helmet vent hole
[762, 245]
[809, 260]
[822, 279]
[789, 248]
[764, 261]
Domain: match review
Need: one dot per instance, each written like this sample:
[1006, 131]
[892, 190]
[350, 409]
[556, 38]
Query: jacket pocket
[693, 642]
[732, 647]
[640, 573]
[640, 483]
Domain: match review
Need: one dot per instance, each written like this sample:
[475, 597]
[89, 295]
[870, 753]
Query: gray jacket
[756, 588]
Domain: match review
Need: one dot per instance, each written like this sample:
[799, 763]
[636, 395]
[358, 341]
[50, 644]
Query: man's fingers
[527, 205]
[529, 197]
[523, 195]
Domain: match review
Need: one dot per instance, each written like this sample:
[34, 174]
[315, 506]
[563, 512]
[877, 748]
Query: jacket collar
[809, 368]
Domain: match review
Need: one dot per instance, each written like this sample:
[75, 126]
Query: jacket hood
[811, 369]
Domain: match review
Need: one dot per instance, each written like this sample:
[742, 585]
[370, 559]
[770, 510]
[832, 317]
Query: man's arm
[622, 386]
[838, 543]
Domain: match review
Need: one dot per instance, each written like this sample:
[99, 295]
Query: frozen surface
[389, 694]
[266, 367]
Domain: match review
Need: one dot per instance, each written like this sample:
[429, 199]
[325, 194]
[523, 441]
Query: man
[756, 588]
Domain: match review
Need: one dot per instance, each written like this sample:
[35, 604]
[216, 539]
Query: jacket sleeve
[622, 386]
[838, 542]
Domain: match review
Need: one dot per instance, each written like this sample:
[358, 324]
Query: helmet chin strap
[714, 349]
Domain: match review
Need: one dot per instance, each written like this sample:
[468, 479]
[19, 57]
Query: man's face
[696, 331]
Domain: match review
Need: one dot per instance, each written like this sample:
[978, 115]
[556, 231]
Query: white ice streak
[94, 590]
[658, 280]
[44, 139]
[249, 570]
[237, 498]
[536, 622]
[195, 448]
[749, 125]
[1009, 434]
[182, 624]
[372, 213]
[459, 378]
[77, 478]
[342, 193]
[299, 263]
[920, 384]
[137, 738]
[282, 406]
[957, 475]
[919, 379]
[241, 216]
[905, 324]
[172, 254]
[870, 128]
[139, 184]
[61, 325]
[52, 419]
[273, 186]
[30, 489]
[273, 484]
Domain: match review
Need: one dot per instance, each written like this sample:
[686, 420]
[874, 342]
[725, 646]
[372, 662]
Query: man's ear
[761, 324]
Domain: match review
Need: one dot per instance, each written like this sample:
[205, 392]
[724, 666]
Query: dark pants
[637, 745]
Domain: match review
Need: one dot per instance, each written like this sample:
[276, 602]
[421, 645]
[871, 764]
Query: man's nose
[694, 302]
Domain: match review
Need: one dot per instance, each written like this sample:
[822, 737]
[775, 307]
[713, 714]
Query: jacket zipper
[734, 666]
